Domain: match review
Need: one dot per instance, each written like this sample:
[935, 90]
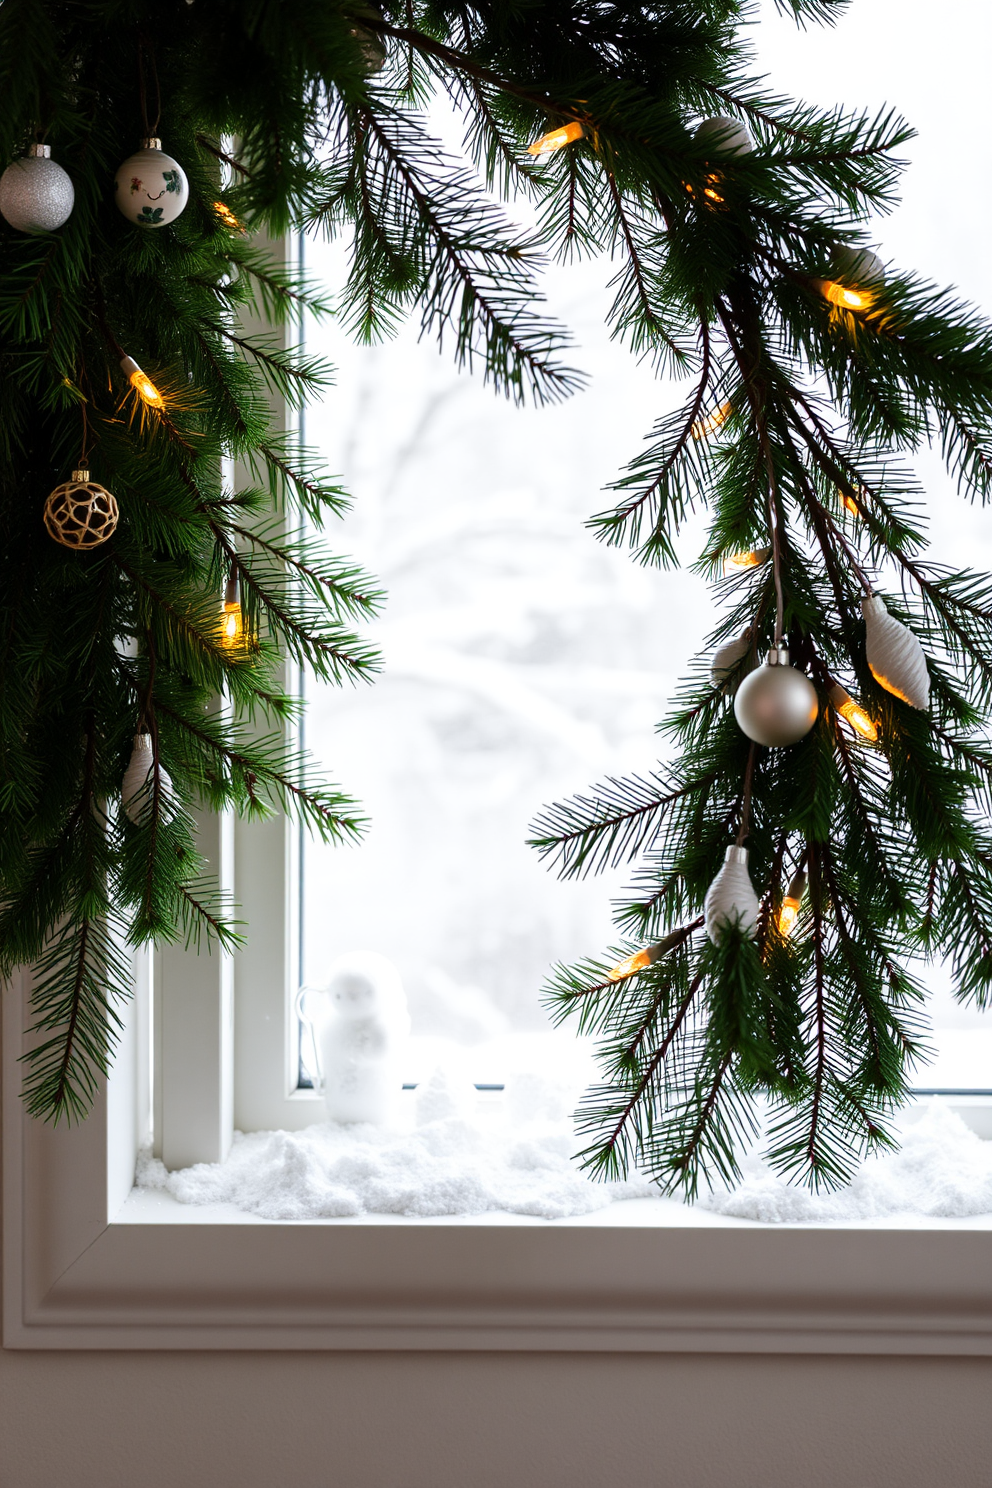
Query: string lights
[227, 217]
[843, 703]
[751, 558]
[789, 912]
[557, 139]
[844, 296]
[142, 384]
[232, 616]
[641, 960]
[712, 421]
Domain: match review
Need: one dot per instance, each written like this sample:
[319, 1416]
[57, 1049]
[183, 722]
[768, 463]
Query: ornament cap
[777, 656]
[737, 855]
[39, 152]
[151, 143]
[82, 474]
[143, 741]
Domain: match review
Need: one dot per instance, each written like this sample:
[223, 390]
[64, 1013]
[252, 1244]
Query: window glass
[523, 660]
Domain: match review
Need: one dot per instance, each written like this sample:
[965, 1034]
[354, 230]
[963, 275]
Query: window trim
[78, 1275]
[77, 1278]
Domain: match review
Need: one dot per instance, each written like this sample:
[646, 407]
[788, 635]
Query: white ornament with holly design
[150, 188]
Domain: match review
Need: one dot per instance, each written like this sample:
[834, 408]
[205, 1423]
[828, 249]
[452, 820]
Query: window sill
[153, 1207]
[90, 1265]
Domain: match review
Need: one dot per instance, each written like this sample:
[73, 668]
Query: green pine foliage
[720, 262]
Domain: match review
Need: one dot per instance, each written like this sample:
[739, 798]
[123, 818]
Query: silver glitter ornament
[730, 898]
[36, 194]
[776, 705]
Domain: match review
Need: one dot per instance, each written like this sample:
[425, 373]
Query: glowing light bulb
[627, 968]
[844, 295]
[862, 722]
[788, 915]
[709, 190]
[753, 559]
[233, 624]
[142, 383]
[789, 912]
[712, 421]
[556, 139]
[232, 620]
[227, 217]
[848, 502]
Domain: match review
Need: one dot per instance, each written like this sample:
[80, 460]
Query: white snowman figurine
[362, 1034]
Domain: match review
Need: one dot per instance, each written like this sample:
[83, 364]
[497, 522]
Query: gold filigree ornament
[80, 513]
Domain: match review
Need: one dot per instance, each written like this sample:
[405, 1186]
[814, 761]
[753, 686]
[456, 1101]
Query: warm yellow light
[709, 190]
[232, 623]
[788, 915]
[848, 502]
[789, 911]
[142, 384]
[712, 421]
[227, 217]
[753, 559]
[844, 296]
[860, 721]
[637, 962]
[557, 139]
[146, 390]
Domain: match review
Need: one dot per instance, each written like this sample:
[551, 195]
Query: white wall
[478, 1421]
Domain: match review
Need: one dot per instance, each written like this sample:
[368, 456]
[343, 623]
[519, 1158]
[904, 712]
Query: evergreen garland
[807, 391]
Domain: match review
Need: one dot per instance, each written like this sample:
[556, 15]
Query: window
[652, 1278]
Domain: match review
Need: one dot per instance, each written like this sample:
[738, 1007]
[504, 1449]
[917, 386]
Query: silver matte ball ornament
[775, 705]
[36, 195]
[150, 188]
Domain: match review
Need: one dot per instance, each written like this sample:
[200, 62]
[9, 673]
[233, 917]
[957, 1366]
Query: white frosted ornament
[138, 785]
[150, 188]
[775, 704]
[894, 655]
[728, 135]
[730, 898]
[362, 1032]
[859, 265]
[726, 657]
[36, 194]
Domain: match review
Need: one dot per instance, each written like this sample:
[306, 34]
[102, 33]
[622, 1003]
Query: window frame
[80, 1271]
[78, 1275]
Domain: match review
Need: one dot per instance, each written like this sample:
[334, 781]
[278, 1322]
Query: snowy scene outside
[523, 660]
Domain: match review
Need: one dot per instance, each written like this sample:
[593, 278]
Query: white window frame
[78, 1275]
[85, 1267]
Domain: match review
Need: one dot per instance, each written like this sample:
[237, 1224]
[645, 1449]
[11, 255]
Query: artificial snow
[457, 1158]
[453, 1161]
[942, 1170]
